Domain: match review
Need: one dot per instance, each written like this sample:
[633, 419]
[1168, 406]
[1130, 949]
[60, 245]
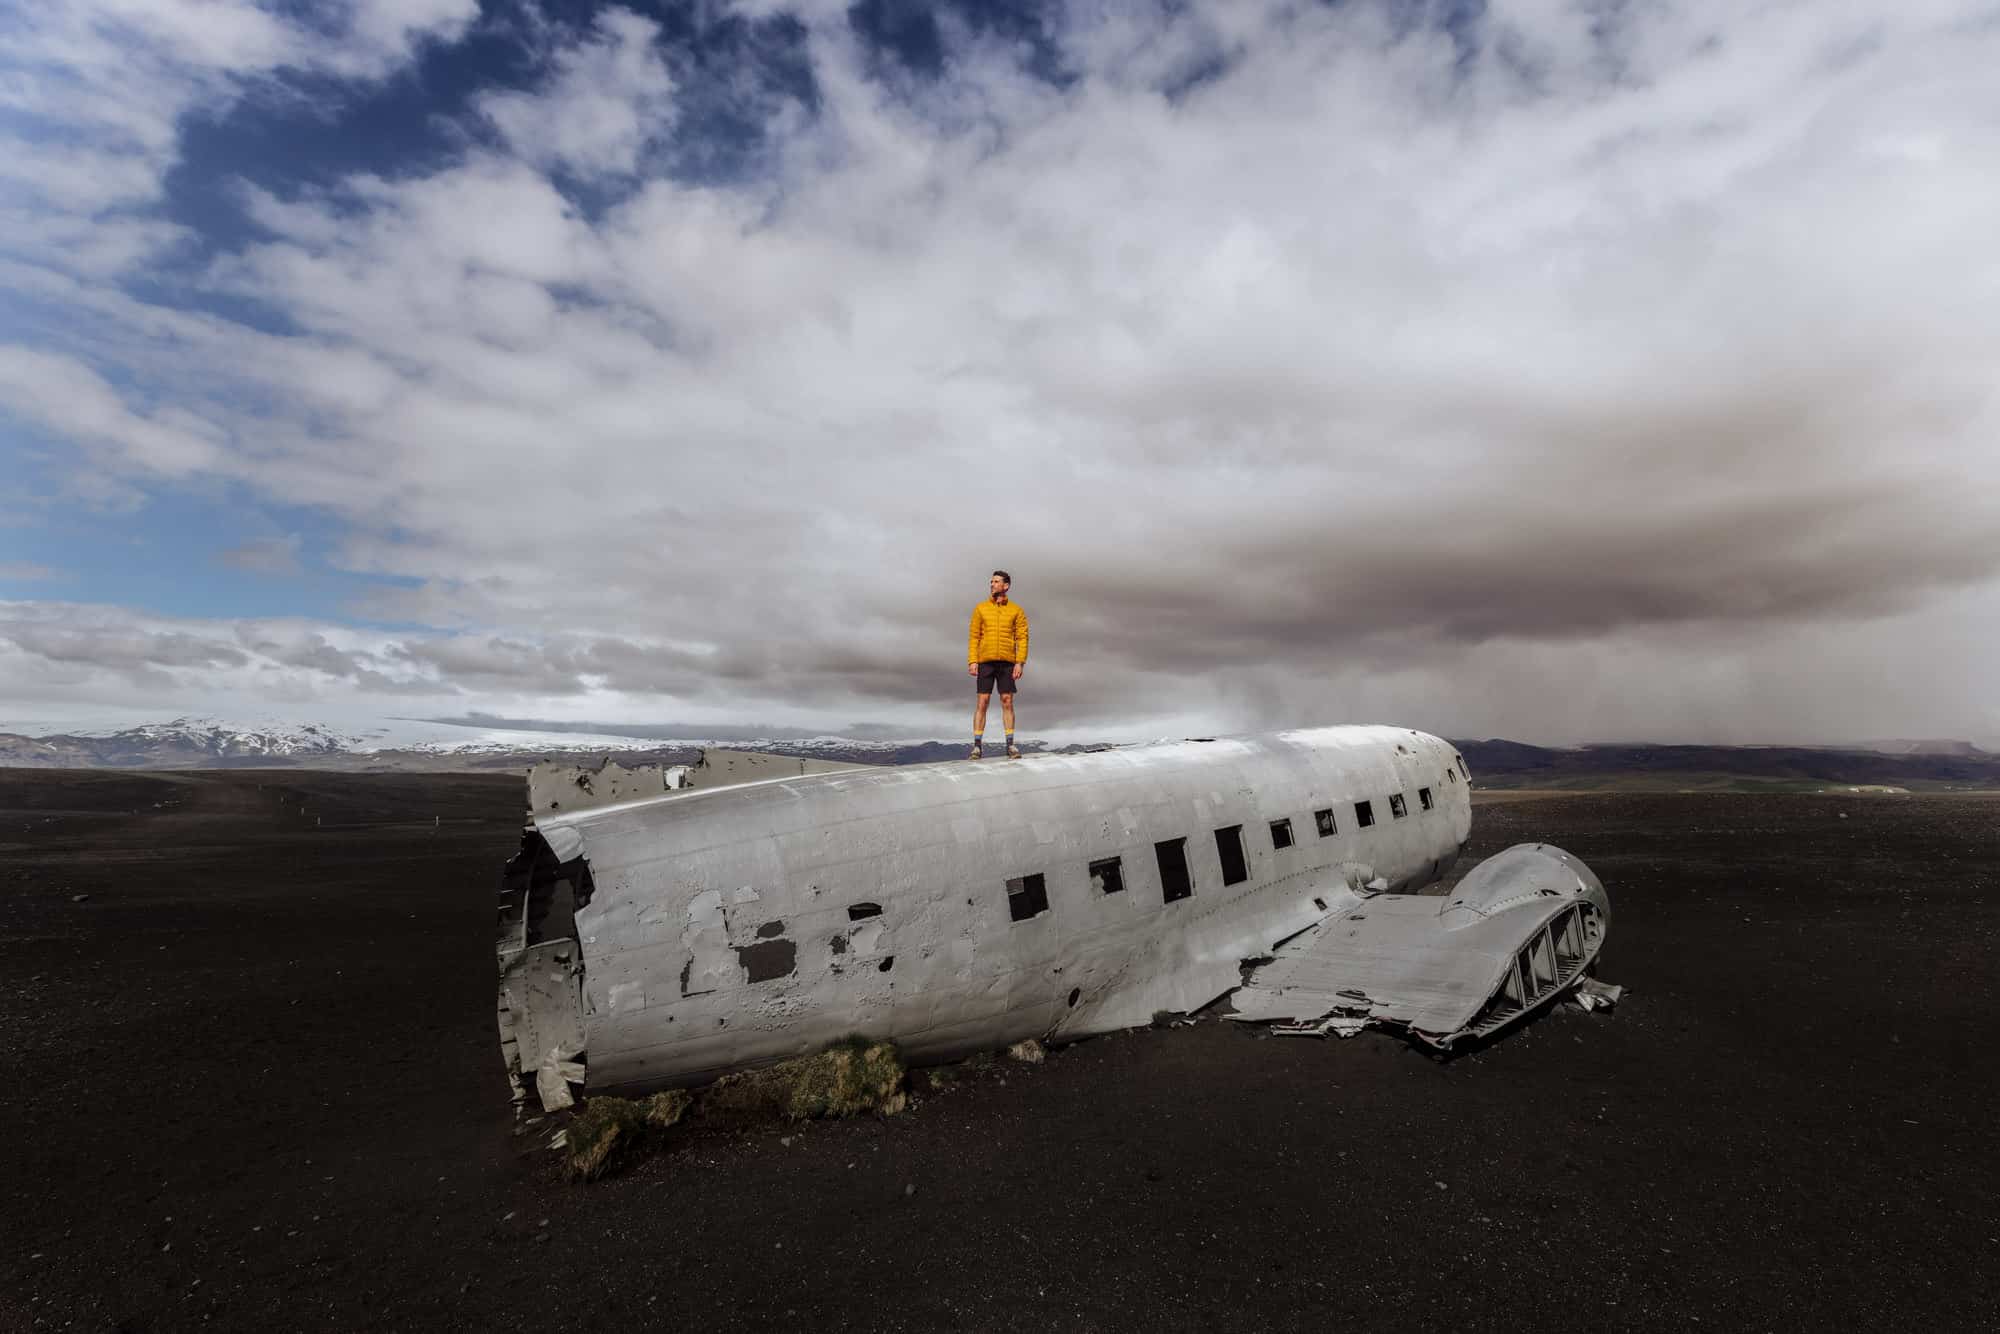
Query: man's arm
[1020, 640]
[972, 643]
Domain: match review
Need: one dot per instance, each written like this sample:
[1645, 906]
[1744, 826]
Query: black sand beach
[254, 1083]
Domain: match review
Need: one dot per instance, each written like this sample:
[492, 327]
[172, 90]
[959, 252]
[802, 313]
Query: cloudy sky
[1554, 369]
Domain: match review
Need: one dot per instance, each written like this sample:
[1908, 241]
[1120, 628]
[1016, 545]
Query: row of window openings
[1028, 895]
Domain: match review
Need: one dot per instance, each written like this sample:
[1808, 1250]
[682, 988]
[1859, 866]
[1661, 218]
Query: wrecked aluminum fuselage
[958, 907]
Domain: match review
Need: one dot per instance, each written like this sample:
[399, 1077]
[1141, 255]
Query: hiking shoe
[975, 752]
[1013, 752]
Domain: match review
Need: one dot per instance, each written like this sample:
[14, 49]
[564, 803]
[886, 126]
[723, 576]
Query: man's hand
[972, 669]
[1019, 667]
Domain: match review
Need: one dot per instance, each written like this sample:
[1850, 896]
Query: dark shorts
[996, 676]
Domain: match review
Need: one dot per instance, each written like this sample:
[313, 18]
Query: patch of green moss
[665, 1109]
[606, 1127]
[594, 1136]
[852, 1076]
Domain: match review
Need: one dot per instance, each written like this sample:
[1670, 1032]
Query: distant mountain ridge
[436, 745]
[1933, 746]
[206, 743]
[1511, 764]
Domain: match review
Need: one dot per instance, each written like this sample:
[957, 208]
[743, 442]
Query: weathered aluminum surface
[727, 927]
[555, 785]
[558, 786]
[726, 768]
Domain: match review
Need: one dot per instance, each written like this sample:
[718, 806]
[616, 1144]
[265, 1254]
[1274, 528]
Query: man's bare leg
[1007, 716]
[979, 718]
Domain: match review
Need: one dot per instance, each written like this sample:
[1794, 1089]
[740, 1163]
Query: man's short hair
[1002, 574]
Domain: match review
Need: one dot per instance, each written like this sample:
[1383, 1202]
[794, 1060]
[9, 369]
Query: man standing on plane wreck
[996, 653]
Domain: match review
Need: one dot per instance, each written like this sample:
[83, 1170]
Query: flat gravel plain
[253, 1082]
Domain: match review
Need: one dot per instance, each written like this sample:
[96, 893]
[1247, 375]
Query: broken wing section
[1518, 932]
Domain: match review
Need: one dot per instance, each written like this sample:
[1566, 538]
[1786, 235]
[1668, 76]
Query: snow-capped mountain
[195, 743]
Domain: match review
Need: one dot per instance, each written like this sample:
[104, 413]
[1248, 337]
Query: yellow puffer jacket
[999, 634]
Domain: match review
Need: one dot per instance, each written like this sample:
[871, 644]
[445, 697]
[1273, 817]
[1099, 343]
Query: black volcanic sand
[253, 1081]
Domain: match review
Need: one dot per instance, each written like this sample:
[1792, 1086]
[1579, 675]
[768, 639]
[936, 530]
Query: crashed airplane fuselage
[958, 907]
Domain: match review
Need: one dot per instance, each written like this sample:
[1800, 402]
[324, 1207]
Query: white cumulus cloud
[1586, 372]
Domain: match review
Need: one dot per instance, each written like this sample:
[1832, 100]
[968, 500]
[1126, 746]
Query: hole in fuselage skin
[857, 912]
[767, 960]
[886, 964]
[1075, 994]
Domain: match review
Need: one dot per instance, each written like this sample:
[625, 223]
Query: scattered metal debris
[554, 1076]
[1340, 1025]
[1591, 994]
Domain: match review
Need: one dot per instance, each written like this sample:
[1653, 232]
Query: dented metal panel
[717, 928]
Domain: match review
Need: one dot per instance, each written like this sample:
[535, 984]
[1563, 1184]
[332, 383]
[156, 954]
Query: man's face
[998, 587]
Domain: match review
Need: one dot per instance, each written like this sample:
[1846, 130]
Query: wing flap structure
[1518, 931]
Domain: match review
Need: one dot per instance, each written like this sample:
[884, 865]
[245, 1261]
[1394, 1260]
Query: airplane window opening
[1424, 798]
[1108, 876]
[1364, 813]
[860, 912]
[1463, 767]
[1075, 995]
[1281, 833]
[1397, 808]
[1175, 882]
[1229, 847]
[1324, 819]
[1027, 896]
[1450, 774]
